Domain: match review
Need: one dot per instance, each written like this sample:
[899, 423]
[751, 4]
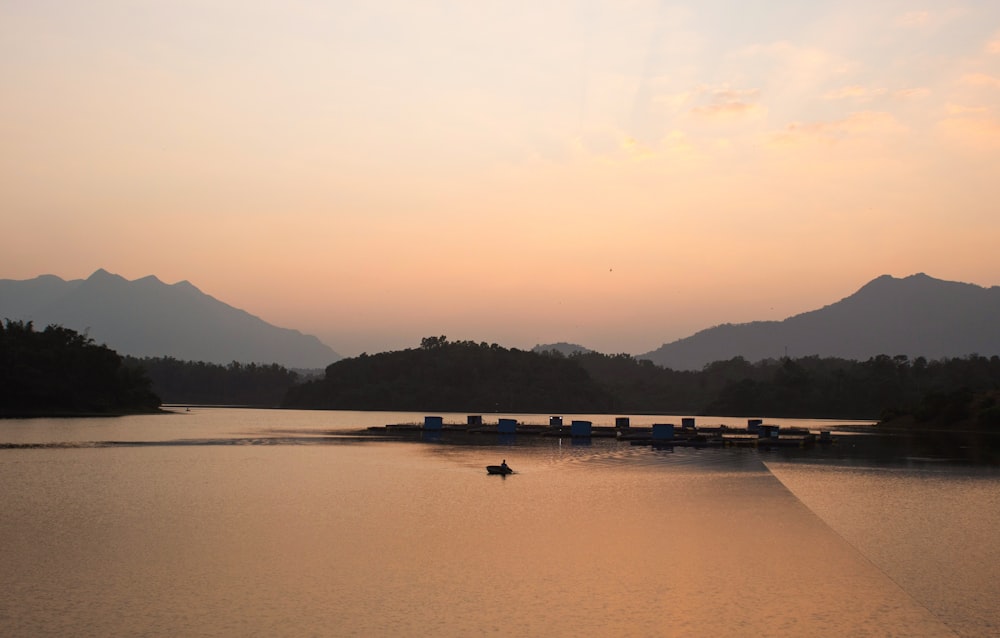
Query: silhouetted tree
[198, 382]
[59, 371]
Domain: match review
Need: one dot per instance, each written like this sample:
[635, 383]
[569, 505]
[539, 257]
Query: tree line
[198, 382]
[468, 376]
[58, 371]
[458, 376]
[881, 387]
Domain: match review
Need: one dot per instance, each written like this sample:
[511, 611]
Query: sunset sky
[614, 174]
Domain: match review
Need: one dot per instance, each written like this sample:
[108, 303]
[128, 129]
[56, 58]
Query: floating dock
[755, 434]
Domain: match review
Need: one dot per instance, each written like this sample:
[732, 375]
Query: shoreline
[90, 414]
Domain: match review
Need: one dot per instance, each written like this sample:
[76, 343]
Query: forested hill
[468, 377]
[454, 377]
[918, 316]
[57, 371]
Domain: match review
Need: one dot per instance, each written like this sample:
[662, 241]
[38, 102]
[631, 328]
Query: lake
[237, 522]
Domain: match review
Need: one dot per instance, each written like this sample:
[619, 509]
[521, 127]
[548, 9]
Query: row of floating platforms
[755, 434]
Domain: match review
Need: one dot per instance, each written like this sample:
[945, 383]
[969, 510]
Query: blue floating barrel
[555, 421]
[622, 422]
[507, 426]
[474, 419]
[687, 422]
[767, 431]
[663, 431]
[433, 422]
[580, 428]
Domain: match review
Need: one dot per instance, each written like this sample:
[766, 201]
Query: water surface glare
[379, 538]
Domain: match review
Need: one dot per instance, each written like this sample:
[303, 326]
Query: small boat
[499, 469]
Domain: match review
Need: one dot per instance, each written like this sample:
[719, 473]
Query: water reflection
[910, 449]
[851, 448]
[933, 530]
[286, 524]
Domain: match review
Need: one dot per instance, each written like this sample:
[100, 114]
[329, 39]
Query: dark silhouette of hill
[918, 316]
[58, 371]
[467, 377]
[453, 377]
[148, 318]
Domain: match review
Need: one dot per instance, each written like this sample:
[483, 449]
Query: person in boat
[504, 466]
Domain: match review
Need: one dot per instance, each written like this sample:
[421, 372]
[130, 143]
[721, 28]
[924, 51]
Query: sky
[614, 174]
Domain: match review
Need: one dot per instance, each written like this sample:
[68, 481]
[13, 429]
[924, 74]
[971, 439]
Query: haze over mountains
[916, 316]
[147, 317]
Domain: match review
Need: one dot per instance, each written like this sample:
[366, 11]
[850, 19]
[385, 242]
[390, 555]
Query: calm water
[253, 522]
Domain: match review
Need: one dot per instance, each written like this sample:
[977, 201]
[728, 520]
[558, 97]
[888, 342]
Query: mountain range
[147, 317]
[914, 316]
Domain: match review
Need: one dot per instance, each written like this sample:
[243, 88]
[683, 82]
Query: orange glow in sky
[614, 174]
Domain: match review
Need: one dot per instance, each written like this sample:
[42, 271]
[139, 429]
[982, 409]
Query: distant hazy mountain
[915, 316]
[147, 317]
[563, 347]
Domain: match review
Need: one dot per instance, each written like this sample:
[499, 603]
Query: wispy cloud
[730, 110]
[799, 58]
[674, 101]
[927, 19]
[860, 93]
[855, 92]
[963, 110]
[729, 103]
[866, 124]
[993, 46]
[636, 149]
[675, 144]
[727, 94]
[975, 128]
[911, 94]
[912, 19]
[981, 79]
[788, 71]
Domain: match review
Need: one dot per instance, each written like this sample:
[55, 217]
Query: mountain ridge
[147, 317]
[916, 315]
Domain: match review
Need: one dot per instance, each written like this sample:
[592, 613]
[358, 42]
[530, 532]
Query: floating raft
[756, 434]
